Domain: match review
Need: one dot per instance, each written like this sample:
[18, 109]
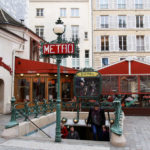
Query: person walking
[97, 119]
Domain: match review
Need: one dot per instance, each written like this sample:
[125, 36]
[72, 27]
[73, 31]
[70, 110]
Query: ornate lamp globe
[59, 27]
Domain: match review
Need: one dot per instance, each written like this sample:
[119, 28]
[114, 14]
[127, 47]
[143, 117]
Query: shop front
[38, 80]
[131, 80]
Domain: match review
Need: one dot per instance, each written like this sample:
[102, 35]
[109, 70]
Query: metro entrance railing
[37, 108]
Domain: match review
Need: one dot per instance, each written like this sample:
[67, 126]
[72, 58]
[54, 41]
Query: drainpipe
[13, 69]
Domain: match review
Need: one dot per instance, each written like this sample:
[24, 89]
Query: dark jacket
[73, 135]
[96, 117]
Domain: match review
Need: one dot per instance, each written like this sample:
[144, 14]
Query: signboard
[87, 84]
[87, 74]
[55, 49]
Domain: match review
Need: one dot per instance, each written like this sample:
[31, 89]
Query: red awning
[29, 66]
[126, 67]
[119, 68]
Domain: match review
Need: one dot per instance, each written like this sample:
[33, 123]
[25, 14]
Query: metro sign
[63, 48]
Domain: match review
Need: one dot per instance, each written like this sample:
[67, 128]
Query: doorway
[1, 95]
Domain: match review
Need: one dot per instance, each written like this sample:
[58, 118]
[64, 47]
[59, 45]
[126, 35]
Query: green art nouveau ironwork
[116, 127]
[47, 52]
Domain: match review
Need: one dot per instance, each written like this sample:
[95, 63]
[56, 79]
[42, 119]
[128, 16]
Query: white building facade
[15, 39]
[121, 28]
[76, 17]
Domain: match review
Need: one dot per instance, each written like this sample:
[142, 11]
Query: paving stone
[136, 129]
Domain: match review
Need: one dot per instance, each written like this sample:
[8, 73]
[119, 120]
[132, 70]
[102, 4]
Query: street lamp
[58, 49]
[58, 29]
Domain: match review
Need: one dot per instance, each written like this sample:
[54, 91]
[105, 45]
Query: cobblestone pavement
[137, 133]
[136, 129]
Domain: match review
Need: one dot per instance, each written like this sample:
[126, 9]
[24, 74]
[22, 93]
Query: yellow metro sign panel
[87, 74]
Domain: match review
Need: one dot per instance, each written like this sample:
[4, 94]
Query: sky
[16, 8]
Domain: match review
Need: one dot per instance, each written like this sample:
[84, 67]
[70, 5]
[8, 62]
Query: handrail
[36, 108]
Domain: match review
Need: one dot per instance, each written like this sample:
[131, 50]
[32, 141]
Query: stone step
[46, 143]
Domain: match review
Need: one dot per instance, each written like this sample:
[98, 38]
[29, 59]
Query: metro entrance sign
[59, 48]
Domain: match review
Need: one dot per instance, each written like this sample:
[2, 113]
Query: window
[104, 21]
[38, 88]
[23, 90]
[104, 43]
[64, 62]
[139, 21]
[46, 59]
[140, 43]
[122, 43]
[121, 4]
[66, 91]
[104, 62]
[52, 94]
[141, 58]
[122, 21]
[75, 32]
[74, 12]
[62, 12]
[85, 35]
[76, 61]
[86, 58]
[138, 4]
[40, 31]
[122, 58]
[103, 4]
[39, 12]
[34, 50]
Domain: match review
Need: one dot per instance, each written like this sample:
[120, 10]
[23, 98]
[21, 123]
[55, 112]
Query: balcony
[121, 6]
[104, 25]
[140, 49]
[139, 6]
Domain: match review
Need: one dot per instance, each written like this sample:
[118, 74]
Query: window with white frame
[122, 43]
[121, 4]
[104, 21]
[75, 32]
[139, 21]
[62, 12]
[39, 12]
[64, 62]
[138, 4]
[141, 58]
[103, 4]
[104, 62]
[140, 43]
[86, 58]
[40, 31]
[74, 12]
[104, 43]
[122, 58]
[85, 35]
[76, 61]
[122, 21]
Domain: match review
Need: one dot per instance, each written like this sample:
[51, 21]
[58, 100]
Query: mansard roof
[5, 18]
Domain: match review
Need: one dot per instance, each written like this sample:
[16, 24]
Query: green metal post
[78, 103]
[12, 121]
[58, 101]
[116, 126]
